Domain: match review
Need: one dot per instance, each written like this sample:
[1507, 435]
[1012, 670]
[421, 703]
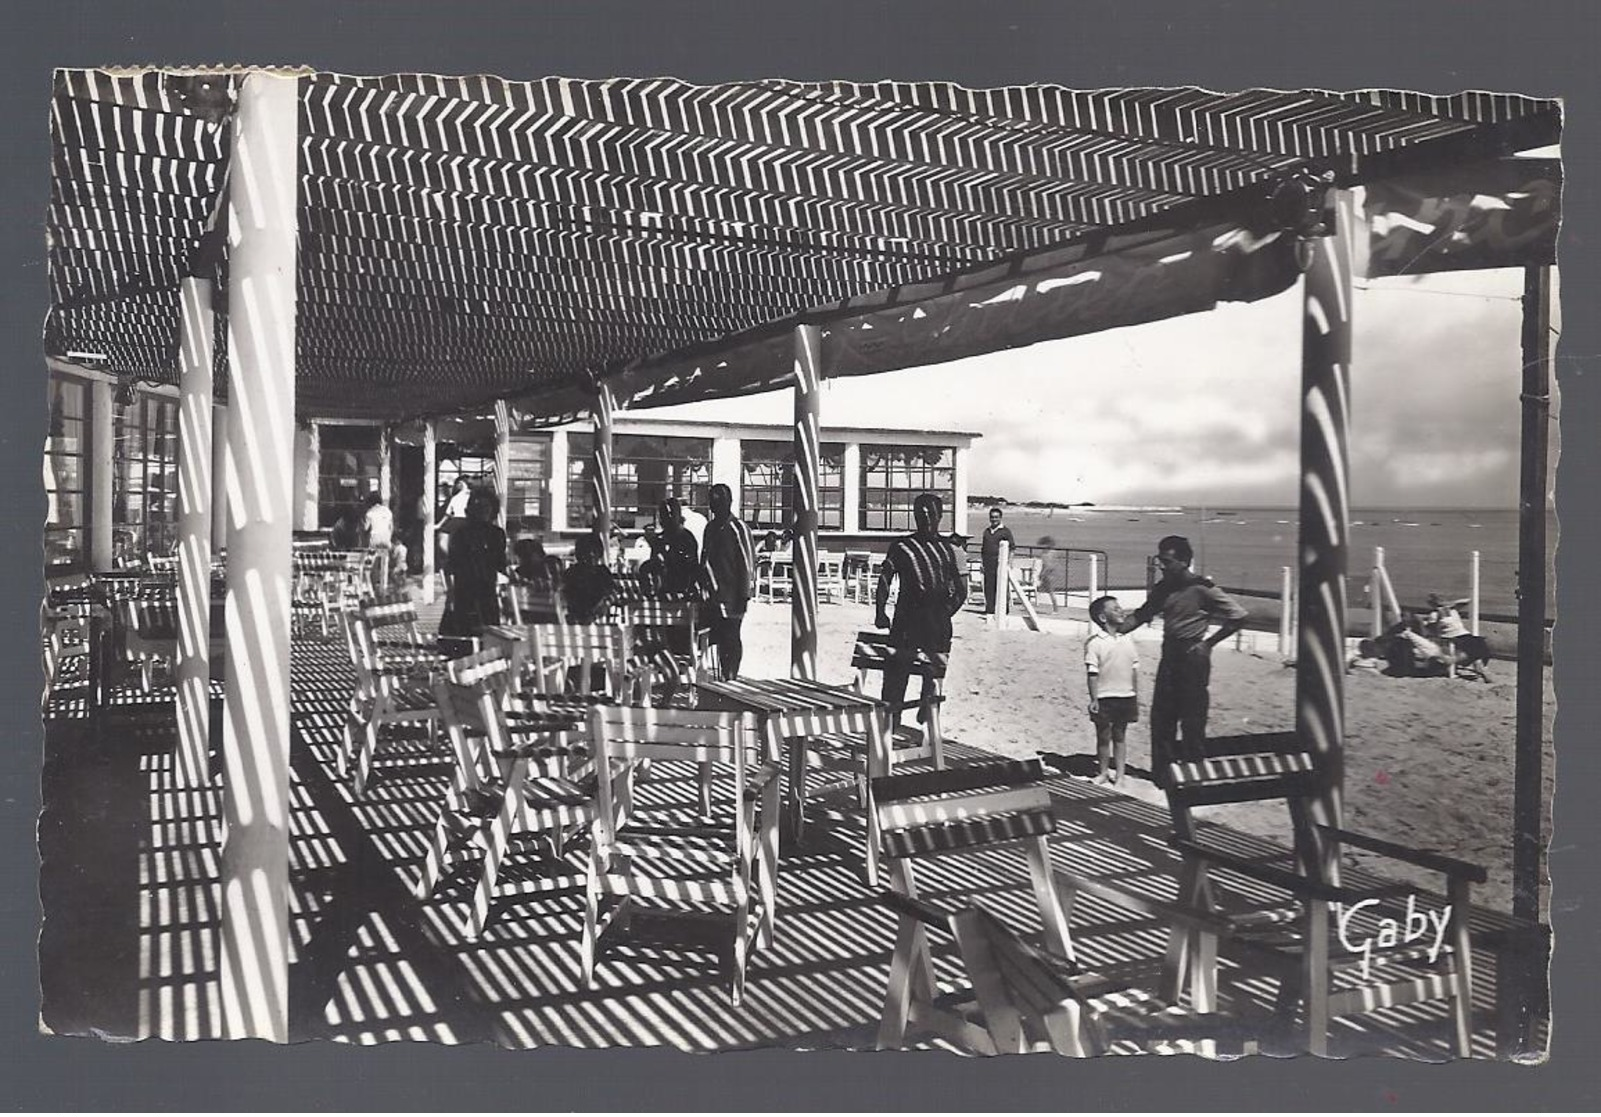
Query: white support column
[853, 486]
[727, 461]
[959, 513]
[1003, 587]
[808, 471]
[601, 463]
[193, 667]
[503, 456]
[1473, 592]
[102, 441]
[558, 482]
[386, 451]
[219, 477]
[430, 489]
[308, 472]
[261, 345]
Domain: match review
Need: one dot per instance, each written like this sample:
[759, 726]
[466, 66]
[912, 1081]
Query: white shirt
[379, 524]
[696, 523]
[457, 505]
[1114, 661]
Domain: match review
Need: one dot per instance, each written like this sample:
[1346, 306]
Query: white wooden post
[102, 442]
[1473, 592]
[1286, 610]
[1095, 577]
[261, 299]
[808, 470]
[192, 670]
[1003, 586]
[386, 443]
[430, 492]
[1376, 592]
[219, 479]
[503, 457]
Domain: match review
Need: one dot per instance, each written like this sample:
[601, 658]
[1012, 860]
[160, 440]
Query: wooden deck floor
[129, 880]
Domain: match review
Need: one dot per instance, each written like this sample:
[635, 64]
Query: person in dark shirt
[728, 576]
[933, 588]
[1188, 604]
[587, 585]
[674, 564]
[990, 553]
[476, 557]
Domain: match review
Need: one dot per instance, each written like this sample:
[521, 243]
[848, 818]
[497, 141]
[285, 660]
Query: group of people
[716, 566]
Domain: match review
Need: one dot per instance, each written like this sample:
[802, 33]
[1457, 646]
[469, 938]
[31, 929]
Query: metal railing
[1064, 571]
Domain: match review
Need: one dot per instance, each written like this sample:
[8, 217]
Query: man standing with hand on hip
[1188, 604]
[990, 553]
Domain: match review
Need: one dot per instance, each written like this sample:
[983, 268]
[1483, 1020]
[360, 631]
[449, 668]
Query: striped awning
[467, 239]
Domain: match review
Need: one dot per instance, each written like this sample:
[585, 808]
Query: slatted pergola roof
[467, 239]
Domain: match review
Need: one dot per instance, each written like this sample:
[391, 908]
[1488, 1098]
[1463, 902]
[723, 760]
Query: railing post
[808, 470]
[1003, 588]
[1376, 592]
[192, 670]
[255, 857]
[1095, 576]
[1473, 592]
[1286, 610]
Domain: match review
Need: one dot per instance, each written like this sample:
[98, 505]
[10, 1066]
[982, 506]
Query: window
[348, 466]
[646, 469]
[529, 460]
[144, 479]
[766, 495]
[894, 476]
[65, 474]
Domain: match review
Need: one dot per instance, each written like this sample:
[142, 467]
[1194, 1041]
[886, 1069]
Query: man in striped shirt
[728, 573]
[933, 587]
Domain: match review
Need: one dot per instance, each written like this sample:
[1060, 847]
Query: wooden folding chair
[830, 576]
[667, 617]
[720, 875]
[524, 770]
[1022, 997]
[393, 685]
[149, 634]
[774, 575]
[876, 651]
[1292, 929]
[66, 626]
[567, 658]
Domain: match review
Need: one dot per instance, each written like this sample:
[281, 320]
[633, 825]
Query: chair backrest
[875, 651]
[395, 613]
[461, 690]
[626, 734]
[656, 613]
[584, 646]
[526, 604]
[157, 618]
[957, 809]
[1249, 768]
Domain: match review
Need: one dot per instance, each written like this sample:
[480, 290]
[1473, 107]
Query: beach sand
[1429, 762]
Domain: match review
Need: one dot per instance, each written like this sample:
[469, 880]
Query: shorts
[1117, 711]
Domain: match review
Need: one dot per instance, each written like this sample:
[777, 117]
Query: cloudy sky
[1204, 409]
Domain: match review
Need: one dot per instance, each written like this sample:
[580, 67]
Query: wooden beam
[192, 666]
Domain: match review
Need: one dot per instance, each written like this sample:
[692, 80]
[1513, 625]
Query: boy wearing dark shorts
[1112, 668]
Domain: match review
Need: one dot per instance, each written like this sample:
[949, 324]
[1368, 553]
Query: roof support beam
[193, 666]
[1325, 519]
[806, 482]
[261, 427]
[600, 467]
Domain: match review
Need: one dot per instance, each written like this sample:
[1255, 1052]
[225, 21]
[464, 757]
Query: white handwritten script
[1387, 932]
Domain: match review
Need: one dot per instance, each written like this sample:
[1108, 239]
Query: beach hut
[299, 245]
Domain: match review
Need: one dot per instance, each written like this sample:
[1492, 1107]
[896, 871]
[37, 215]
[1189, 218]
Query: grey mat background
[1545, 48]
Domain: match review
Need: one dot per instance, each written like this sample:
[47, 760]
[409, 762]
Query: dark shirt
[728, 562]
[929, 574]
[585, 590]
[992, 542]
[1188, 604]
[678, 557]
[477, 553]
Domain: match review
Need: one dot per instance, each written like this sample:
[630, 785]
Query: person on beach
[933, 588]
[1188, 604]
[378, 528]
[675, 556]
[728, 574]
[1112, 668]
[476, 559]
[587, 586]
[990, 553]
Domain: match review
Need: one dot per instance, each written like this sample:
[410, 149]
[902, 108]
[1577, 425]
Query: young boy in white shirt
[1113, 667]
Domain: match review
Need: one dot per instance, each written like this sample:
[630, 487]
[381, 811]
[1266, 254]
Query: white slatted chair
[671, 616]
[873, 653]
[774, 575]
[393, 685]
[66, 627]
[1023, 996]
[1293, 933]
[564, 659]
[524, 772]
[149, 634]
[721, 875]
[830, 576]
[526, 604]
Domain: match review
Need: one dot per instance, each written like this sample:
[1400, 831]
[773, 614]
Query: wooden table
[790, 712]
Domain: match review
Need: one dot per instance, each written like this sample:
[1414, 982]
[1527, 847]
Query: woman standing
[477, 556]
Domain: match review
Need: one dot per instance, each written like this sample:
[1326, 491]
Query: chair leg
[767, 881]
[1462, 967]
[500, 834]
[898, 997]
[1315, 976]
[704, 780]
[736, 995]
[364, 759]
[1058, 938]
[436, 860]
[591, 917]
